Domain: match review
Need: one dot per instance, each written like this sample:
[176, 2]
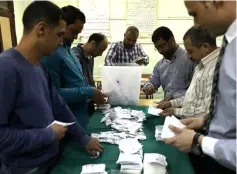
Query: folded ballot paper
[93, 169]
[61, 123]
[154, 163]
[154, 111]
[166, 132]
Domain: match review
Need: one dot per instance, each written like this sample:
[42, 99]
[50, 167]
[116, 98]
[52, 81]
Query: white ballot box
[121, 84]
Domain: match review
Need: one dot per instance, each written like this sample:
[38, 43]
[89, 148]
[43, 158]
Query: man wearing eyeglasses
[174, 71]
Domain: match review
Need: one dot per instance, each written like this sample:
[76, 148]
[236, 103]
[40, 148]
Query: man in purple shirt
[29, 103]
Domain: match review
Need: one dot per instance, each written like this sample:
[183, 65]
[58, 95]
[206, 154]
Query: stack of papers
[130, 156]
[104, 107]
[154, 111]
[114, 137]
[93, 169]
[166, 132]
[158, 132]
[154, 163]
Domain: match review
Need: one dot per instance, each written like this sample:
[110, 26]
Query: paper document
[62, 124]
[166, 132]
[154, 111]
[93, 169]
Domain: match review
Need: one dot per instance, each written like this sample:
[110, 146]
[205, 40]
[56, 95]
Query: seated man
[66, 70]
[202, 48]
[127, 51]
[29, 101]
[174, 71]
[86, 53]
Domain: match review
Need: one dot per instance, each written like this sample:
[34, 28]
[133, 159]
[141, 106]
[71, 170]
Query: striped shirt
[198, 96]
[119, 54]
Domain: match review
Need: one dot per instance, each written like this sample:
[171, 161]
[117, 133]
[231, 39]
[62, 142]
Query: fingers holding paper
[168, 112]
[195, 123]
[183, 139]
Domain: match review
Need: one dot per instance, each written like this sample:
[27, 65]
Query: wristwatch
[196, 148]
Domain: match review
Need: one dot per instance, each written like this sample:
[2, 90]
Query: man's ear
[206, 47]
[40, 28]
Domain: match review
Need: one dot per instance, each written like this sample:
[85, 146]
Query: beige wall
[171, 13]
[6, 32]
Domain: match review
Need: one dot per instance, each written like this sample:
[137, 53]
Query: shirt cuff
[178, 111]
[208, 145]
[85, 140]
[147, 84]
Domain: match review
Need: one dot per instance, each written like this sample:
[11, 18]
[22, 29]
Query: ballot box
[121, 84]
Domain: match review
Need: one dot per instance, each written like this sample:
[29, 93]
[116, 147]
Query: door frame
[1, 42]
[9, 13]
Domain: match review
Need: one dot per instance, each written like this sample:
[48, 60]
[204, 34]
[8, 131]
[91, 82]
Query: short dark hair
[97, 37]
[73, 14]
[162, 33]
[44, 11]
[133, 29]
[199, 36]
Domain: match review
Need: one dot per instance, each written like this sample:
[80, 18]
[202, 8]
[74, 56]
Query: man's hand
[140, 61]
[149, 90]
[98, 97]
[164, 105]
[183, 141]
[168, 112]
[168, 98]
[195, 123]
[59, 131]
[94, 146]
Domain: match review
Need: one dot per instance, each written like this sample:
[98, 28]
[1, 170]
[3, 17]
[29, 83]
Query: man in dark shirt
[86, 53]
[29, 103]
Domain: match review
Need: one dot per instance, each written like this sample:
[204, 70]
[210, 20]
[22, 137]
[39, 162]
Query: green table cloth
[74, 157]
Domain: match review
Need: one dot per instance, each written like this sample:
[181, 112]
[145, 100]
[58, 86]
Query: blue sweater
[67, 76]
[28, 104]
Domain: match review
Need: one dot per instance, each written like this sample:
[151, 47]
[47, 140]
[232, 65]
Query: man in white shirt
[201, 48]
[219, 144]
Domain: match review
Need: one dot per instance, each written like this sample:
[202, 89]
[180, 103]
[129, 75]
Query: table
[74, 158]
[148, 102]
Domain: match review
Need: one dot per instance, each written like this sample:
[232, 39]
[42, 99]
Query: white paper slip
[61, 123]
[155, 158]
[154, 111]
[93, 168]
[166, 132]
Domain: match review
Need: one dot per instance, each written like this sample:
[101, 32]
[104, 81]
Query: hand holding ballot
[98, 97]
[59, 131]
[139, 61]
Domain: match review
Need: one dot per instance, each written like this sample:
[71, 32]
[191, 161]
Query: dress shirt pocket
[201, 89]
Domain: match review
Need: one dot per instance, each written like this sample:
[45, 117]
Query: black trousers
[207, 165]
[91, 108]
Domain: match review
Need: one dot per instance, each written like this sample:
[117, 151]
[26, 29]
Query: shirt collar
[174, 56]
[210, 57]
[231, 32]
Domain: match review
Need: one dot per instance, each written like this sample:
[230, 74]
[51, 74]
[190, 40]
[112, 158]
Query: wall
[171, 13]
[6, 32]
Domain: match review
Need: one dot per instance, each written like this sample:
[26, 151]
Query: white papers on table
[93, 169]
[130, 156]
[154, 163]
[166, 132]
[158, 131]
[154, 111]
[61, 123]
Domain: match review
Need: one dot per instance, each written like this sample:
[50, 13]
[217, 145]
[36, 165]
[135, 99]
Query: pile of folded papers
[114, 137]
[131, 155]
[93, 169]
[124, 120]
[154, 163]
